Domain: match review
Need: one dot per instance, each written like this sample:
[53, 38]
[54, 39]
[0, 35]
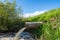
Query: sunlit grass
[50, 30]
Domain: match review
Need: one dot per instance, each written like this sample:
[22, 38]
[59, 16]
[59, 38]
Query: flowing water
[25, 35]
[19, 33]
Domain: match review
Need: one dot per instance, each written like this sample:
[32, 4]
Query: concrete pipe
[30, 25]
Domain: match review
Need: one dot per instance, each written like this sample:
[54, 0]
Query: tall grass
[50, 30]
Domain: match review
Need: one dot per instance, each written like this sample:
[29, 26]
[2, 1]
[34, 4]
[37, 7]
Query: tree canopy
[9, 19]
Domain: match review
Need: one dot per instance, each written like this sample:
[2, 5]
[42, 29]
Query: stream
[23, 36]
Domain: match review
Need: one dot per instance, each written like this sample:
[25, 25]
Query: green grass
[50, 30]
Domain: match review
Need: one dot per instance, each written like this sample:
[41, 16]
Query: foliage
[9, 19]
[50, 30]
[11, 22]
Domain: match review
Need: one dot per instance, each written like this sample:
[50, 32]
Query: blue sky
[36, 7]
[30, 6]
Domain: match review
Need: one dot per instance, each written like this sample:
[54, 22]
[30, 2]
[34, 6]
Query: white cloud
[33, 14]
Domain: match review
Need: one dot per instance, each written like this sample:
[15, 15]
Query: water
[26, 36]
[19, 33]
[23, 35]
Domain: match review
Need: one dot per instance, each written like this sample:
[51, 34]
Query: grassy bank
[50, 30]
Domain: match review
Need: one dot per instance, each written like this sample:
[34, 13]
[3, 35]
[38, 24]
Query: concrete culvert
[30, 25]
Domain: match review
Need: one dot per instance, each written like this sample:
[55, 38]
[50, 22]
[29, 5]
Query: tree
[9, 19]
